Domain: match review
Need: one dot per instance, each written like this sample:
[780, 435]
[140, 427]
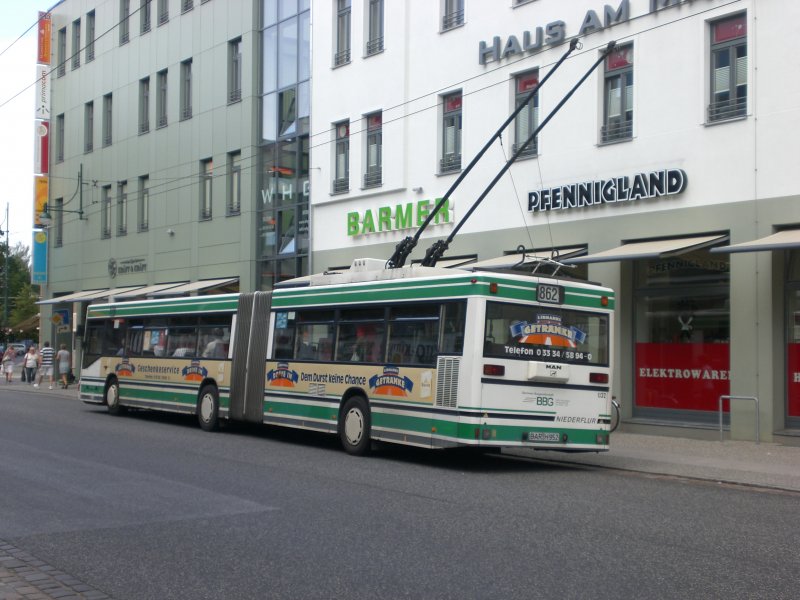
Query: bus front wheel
[208, 408]
[112, 398]
[354, 426]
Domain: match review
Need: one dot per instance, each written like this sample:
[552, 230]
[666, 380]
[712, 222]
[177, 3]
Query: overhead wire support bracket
[407, 245]
[438, 248]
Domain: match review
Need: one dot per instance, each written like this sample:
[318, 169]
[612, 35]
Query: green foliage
[22, 295]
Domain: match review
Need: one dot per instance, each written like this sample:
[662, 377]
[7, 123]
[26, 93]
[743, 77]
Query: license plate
[544, 436]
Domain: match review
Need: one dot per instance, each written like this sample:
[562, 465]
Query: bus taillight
[598, 377]
[495, 370]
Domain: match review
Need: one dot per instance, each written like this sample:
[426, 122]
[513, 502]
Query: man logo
[112, 267]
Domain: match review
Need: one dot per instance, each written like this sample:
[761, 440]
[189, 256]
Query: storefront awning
[651, 249]
[194, 286]
[783, 240]
[147, 291]
[101, 294]
[75, 297]
[508, 261]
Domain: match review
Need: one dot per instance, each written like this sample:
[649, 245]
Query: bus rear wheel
[111, 398]
[354, 426]
[208, 408]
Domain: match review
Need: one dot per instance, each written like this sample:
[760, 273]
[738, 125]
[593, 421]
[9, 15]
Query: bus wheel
[208, 408]
[354, 426]
[112, 398]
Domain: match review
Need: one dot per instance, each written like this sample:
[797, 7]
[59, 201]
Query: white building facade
[675, 150]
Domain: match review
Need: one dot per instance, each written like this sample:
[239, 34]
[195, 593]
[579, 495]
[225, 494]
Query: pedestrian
[8, 363]
[64, 359]
[46, 364]
[30, 364]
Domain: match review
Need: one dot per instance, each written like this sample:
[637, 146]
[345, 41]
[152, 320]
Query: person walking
[8, 363]
[64, 359]
[30, 364]
[46, 364]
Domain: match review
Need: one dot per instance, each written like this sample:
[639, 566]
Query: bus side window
[455, 316]
[283, 343]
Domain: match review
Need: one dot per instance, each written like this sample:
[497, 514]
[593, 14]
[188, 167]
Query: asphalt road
[149, 506]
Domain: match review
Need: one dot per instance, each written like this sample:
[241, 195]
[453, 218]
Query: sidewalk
[745, 463]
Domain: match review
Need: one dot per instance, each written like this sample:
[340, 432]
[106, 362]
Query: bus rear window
[528, 332]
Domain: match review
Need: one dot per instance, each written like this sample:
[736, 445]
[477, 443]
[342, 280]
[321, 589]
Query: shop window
[682, 329]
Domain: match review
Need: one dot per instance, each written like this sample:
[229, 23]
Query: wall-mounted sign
[41, 185]
[126, 266]
[555, 32]
[39, 257]
[642, 186]
[396, 218]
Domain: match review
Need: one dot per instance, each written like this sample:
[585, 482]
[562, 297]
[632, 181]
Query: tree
[21, 294]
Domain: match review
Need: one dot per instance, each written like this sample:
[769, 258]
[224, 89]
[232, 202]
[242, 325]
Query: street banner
[41, 144]
[42, 92]
[39, 252]
[41, 185]
[45, 31]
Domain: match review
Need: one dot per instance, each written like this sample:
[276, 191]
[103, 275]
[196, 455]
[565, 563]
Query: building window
[144, 15]
[61, 57]
[90, 36]
[206, 180]
[60, 138]
[528, 118]
[105, 212]
[161, 99]
[88, 127]
[144, 105]
[186, 89]
[373, 174]
[187, 5]
[144, 203]
[618, 96]
[122, 208]
[451, 133]
[76, 44]
[107, 119]
[163, 11]
[234, 183]
[728, 69]
[235, 70]
[453, 14]
[58, 222]
[375, 27]
[342, 55]
[124, 16]
[341, 175]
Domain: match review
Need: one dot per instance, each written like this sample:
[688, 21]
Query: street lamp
[46, 219]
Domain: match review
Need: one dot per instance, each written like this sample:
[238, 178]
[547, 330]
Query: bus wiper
[438, 248]
[406, 246]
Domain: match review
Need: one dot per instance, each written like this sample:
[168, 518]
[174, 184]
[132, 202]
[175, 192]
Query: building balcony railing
[450, 163]
[145, 27]
[88, 147]
[727, 109]
[234, 95]
[453, 19]
[373, 178]
[163, 18]
[341, 58]
[106, 140]
[90, 53]
[616, 130]
[186, 113]
[162, 121]
[341, 185]
[144, 127]
[124, 38]
[374, 46]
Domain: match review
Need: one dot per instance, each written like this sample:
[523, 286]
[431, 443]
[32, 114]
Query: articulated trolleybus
[424, 356]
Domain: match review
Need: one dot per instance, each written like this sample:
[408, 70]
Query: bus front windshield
[533, 332]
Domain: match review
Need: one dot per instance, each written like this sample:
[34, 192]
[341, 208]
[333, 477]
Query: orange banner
[45, 31]
[41, 185]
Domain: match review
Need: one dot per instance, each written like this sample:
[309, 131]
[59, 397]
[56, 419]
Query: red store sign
[683, 376]
[793, 377]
